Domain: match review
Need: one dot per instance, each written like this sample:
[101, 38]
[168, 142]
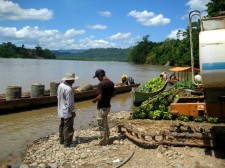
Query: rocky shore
[121, 152]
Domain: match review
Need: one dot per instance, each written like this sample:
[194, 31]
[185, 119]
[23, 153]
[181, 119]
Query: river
[20, 129]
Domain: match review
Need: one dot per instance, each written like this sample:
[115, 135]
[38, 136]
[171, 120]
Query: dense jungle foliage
[173, 51]
[215, 7]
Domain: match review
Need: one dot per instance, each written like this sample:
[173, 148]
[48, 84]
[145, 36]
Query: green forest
[9, 50]
[174, 52]
[98, 54]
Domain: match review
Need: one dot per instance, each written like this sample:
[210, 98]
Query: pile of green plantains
[158, 106]
[152, 85]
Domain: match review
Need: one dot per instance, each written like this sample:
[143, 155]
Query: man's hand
[98, 98]
[74, 115]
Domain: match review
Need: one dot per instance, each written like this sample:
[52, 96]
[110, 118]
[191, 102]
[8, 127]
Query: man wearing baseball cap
[105, 92]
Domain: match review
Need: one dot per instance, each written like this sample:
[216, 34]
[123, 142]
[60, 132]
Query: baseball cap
[99, 72]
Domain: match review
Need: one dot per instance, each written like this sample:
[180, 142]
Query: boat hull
[139, 97]
[40, 102]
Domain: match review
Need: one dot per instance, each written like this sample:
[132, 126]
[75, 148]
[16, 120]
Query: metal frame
[191, 14]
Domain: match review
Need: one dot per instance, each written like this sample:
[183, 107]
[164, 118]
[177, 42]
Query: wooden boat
[139, 97]
[26, 102]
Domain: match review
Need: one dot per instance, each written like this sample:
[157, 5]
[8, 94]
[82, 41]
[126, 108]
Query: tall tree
[8, 50]
[39, 51]
[214, 7]
[140, 52]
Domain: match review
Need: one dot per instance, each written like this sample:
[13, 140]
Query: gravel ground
[121, 152]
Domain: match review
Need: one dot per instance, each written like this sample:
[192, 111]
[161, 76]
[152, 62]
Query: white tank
[212, 55]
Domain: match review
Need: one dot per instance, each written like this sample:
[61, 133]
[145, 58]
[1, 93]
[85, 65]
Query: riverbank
[47, 152]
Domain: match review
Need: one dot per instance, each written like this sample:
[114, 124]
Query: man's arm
[98, 98]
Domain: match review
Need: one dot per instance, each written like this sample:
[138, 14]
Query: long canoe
[26, 102]
[139, 97]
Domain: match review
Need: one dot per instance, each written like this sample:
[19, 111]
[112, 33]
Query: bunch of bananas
[152, 85]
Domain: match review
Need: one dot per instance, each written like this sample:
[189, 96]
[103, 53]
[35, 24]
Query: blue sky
[84, 24]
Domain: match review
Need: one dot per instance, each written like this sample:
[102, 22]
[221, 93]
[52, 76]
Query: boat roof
[182, 69]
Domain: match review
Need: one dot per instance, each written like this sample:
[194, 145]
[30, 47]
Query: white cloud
[98, 26]
[12, 11]
[173, 34]
[119, 36]
[54, 39]
[149, 18]
[72, 32]
[50, 39]
[197, 5]
[105, 14]
[130, 42]
[33, 36]
[91, 42]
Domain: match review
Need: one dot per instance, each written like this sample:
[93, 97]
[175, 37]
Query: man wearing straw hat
[66, 109]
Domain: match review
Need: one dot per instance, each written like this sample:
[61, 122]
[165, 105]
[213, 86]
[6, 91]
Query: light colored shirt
[65, 97]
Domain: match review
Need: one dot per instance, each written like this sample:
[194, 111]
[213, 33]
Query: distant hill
[61, 52]
[99, 54]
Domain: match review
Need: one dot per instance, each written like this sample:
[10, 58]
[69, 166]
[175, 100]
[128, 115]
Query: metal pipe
[191, 14]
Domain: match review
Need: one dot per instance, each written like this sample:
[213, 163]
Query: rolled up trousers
[102, 119]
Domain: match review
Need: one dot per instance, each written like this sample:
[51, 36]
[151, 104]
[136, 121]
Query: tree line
[173, 52]
[9, 50]
[98, 54]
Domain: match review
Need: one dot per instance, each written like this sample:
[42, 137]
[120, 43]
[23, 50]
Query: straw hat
[70, 76]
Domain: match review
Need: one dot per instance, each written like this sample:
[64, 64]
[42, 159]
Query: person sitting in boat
[131, 80]
[124, 80]
[173, 79]
[163, 75]
[84, 87]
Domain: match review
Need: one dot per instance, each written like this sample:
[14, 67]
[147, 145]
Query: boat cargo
[26, 101]
[139, 97]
